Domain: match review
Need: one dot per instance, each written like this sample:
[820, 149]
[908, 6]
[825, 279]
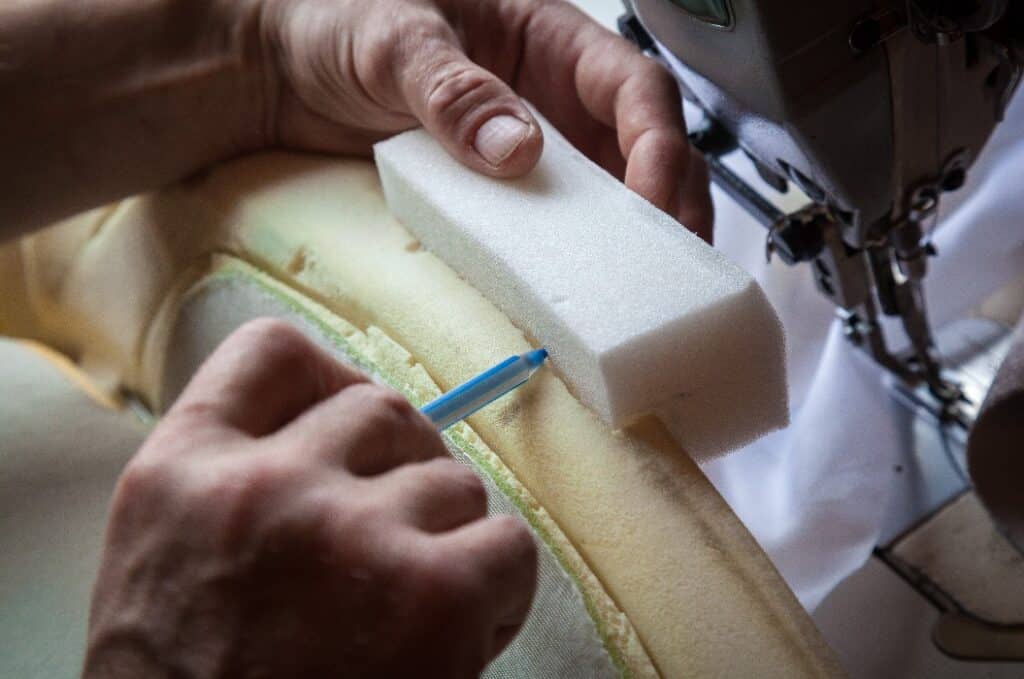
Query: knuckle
[453, 85]
[144, 491]
[148, 488]
[140, 477]
[236, 492]
[296, 527]
[650, 70]
[259, 478]
[180, 431]
[387, 404]
[263, 327]
[318, 514]
[232, 490]
[517, 537]
[462, 96]
[465, 484]
[380, 425]
[449, 486]
[441, 585]
[190, 412]
[273, 340]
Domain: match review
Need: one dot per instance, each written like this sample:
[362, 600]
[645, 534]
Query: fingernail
[499, 137]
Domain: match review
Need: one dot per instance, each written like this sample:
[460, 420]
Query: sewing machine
[873, 110]
[920, 85]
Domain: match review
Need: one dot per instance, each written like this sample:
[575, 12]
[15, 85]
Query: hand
[289, 519]
[113, 97]
[346, 73]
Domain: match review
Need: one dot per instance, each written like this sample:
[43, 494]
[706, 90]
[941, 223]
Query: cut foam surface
[639, 315]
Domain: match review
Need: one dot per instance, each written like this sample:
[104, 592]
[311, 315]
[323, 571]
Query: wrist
[117, 97]
[213, 58]
[236, 29]
[190, 71]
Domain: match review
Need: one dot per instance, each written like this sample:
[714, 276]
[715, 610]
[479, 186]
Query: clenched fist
[287, 518]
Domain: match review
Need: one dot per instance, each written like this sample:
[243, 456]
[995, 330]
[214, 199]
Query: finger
[368, 429]
[260, 378]
[656, 167]
[622, 88]
[478, 118]
[695, 209]
[437, 495]
[502, 550]
[643, 105]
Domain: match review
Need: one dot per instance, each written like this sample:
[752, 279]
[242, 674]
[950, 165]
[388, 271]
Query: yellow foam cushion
[701, 595]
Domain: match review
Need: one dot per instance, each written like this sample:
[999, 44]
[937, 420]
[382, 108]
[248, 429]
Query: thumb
[477, 117]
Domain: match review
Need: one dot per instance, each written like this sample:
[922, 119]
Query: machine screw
[796, 240]
[953, 179]
[865, 35]
[923, 202]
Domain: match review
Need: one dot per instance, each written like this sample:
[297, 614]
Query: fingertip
[475, 115]
[655, 166]
[672, 176]
[503, 636]
[510, 145]
[700, 220]
[263, 375]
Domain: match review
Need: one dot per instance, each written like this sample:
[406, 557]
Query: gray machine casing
[856, 130]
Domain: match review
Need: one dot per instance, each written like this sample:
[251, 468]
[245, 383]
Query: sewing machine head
[872, 108]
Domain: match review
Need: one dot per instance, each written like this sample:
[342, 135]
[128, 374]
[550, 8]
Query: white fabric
[815, 494]
[60, 455]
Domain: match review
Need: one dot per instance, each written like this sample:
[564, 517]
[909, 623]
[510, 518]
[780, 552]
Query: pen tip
[536, 357]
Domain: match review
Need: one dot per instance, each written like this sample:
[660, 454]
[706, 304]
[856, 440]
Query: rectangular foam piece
[639, 315]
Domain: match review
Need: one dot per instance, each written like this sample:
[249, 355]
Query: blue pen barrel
[471, 396]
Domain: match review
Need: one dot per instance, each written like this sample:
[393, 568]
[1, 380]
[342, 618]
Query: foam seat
[672, 585]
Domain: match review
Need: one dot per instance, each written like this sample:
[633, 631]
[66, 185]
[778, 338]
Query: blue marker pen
[467, 398]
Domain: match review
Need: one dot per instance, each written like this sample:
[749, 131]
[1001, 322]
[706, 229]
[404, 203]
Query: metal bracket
[889, 269]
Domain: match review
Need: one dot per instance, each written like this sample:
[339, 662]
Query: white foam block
[638, 314]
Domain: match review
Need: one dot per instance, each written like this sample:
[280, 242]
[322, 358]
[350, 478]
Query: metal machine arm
[873, 109]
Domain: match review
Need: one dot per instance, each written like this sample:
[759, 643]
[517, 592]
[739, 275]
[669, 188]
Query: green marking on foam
[235, 270]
